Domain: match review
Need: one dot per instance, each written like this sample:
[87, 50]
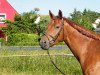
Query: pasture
[36, 62]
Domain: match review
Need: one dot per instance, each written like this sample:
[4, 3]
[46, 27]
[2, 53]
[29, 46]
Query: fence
[58, 47]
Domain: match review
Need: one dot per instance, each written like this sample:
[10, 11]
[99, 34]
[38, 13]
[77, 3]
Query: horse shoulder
[94, 69]
[91, 65]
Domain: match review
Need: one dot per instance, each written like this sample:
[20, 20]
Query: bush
[22, 39]
[2, 41]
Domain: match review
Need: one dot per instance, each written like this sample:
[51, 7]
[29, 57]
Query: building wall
[8, 10]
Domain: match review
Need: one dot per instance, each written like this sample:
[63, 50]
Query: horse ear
[51, 15]
[60, 14]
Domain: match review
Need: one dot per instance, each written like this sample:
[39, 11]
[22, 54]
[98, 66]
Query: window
[2, 17]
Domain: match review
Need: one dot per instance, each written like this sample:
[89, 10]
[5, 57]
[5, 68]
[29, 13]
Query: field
[37, 62]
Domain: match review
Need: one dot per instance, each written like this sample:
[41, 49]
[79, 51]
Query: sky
[67, 6]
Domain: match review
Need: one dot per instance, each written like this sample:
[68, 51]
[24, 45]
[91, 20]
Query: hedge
[22, 39]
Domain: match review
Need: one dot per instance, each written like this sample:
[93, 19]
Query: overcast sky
[67, 6]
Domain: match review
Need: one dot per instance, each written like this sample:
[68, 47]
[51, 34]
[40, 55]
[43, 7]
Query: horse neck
[76, 41]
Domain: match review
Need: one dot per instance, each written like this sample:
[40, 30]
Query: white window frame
[4, 17]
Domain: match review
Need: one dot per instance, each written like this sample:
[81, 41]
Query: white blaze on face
[37, 20]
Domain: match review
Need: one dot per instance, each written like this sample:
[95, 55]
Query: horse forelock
[82, 30]
[57, 17]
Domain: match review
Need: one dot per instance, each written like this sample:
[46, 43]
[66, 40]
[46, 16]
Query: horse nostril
[45, 42]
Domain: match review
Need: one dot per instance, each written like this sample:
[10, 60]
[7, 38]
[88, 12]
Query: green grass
[37, 64]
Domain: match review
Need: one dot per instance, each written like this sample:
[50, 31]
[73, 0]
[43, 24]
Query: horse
[83, 43]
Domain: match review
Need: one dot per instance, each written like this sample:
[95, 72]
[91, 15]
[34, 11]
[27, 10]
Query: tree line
[24, 23]
[85, 18]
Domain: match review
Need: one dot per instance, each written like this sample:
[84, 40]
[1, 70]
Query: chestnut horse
[84, 44]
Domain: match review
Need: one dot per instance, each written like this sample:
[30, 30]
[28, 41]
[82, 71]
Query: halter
[51, 42]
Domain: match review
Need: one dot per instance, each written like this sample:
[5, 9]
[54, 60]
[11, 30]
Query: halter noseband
[51, 42]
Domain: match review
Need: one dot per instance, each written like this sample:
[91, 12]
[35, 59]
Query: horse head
[54, 31]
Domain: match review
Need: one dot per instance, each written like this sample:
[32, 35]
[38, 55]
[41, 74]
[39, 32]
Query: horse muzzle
[44, 43]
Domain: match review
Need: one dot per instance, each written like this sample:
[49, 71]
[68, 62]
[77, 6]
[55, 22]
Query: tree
[37, 9]
[76, 16]
[24, 23]
[43, 23]
[85, 18]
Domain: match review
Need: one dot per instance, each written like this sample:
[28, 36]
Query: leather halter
[51, 42]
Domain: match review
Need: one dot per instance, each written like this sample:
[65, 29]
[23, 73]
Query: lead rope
[54, 63]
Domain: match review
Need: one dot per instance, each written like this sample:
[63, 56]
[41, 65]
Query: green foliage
[24, 23]
[22, 39]
[43, 24]
[85, 18]
[76, 16]
[2, 42]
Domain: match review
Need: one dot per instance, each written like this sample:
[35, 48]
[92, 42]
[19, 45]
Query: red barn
[6, 12]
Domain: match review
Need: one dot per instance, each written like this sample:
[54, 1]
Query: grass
[39, 64]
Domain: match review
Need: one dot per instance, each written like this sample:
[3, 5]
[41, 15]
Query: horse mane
[84, 31]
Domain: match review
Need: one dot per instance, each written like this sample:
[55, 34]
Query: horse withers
[84, 44]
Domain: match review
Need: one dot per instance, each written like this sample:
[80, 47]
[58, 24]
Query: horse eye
[57, 27]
